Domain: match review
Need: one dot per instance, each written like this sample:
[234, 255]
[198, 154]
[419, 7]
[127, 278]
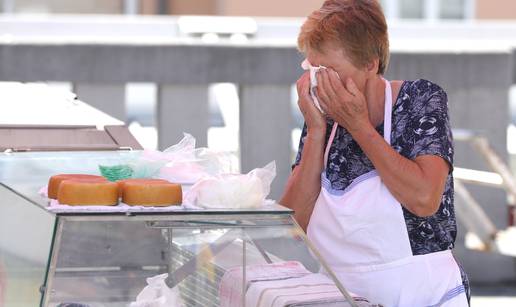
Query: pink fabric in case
[230, 288]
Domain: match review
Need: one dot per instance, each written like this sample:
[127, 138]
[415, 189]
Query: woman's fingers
[334, 95]
[329, 99]
[305, 101]
[303, 84]
[352, 87]
[328, 88]
[321, 93]
[313, 117]
[325, 93]
[341, 100]
[340, 90]
[322, 103]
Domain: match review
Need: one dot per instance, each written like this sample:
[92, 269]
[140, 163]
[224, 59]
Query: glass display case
[201, 257]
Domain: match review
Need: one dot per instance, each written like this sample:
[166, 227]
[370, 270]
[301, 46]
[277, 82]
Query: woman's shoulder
[422, 87]
[421, 94]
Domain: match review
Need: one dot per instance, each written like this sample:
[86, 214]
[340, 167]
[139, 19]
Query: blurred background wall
[443, 9]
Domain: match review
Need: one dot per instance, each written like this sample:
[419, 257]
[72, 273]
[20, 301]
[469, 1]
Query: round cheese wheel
[121, 183]
[55, 181]
[87, 193]
[151, 193]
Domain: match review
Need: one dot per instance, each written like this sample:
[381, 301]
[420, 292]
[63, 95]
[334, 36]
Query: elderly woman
[372, 183]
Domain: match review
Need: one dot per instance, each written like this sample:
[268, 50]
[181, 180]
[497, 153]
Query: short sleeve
[300, 148]
[429, 122]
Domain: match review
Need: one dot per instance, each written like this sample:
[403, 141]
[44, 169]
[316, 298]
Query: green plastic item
[116, 172]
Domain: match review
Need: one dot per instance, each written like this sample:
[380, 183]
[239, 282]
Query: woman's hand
[314, 119]
[345, 104]
[303, 186]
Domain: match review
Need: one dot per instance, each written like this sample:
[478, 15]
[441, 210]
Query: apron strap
[387, 122]
[387, 116]
[330, 141]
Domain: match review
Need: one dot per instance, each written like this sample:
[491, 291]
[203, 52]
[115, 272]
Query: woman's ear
[372, 67]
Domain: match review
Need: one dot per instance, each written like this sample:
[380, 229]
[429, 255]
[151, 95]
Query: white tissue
[313, 81]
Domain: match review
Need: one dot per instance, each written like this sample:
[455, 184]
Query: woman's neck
[375, 97]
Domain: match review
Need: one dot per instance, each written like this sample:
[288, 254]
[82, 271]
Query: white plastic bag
[158, 294]
[232, 190]
[183, 163]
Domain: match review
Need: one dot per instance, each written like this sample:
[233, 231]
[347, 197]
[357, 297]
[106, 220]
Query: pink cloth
[314, 289]
[230, 288]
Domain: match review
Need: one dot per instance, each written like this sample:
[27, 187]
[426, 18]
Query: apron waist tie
[450, 295]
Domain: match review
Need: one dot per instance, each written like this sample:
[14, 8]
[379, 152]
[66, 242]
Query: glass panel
[16, 167]
[28, 172]
[411, 9]
[208, 260]
[452, 9]
[26, 233]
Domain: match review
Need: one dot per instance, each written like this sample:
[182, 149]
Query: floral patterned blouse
[420, 126]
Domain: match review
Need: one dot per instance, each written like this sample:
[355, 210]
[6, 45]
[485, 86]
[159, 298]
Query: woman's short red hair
[356, 26]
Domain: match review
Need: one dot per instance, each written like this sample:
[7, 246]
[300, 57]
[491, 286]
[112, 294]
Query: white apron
[361, 233]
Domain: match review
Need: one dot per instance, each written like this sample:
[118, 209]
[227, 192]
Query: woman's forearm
[304, 184]
[418, 185]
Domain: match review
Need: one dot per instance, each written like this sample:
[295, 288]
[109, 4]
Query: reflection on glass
[26, 233]
[195, 261]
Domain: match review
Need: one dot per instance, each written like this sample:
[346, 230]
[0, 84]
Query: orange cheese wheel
[87, 193]
[121, 183]
[55, 181]
[151, 193]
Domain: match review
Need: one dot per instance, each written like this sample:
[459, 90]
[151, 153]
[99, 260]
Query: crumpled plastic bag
[158, 294]
[180, 163]
[183, 163]
[232, 190]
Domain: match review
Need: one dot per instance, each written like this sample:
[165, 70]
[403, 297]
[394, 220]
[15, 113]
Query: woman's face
[335, 58]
